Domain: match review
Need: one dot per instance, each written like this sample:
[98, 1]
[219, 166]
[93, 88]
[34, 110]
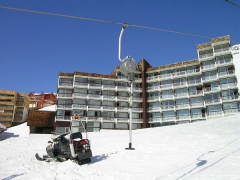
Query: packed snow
[201, 150]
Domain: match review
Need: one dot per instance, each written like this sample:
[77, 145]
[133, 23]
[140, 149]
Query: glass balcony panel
[211, 101]
[214, 113]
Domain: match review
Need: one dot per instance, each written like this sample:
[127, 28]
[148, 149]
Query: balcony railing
[212, 101]
[166, 86]
[167, 96]
[152, 88]
[169, 118]
[63, 117]
[194, 82]
[194, 93]
[193, 71]
[179, 84]
[212, 89]
[184, 117]
[215, 113]
[167, 107]
[177, 95]
[153, 108]
[228, 85]
[182, 106]
[222, 50]
[224, 61]
[152, 98]
[181, 73]
[209, 78]
[226, 73]
[65, 106]
[155, 119]
[197, 104]
[202, 56]
[230, 98]
[210, 66]
[63, 84]
[230, 111]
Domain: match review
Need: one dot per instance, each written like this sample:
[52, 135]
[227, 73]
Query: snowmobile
[68, 146]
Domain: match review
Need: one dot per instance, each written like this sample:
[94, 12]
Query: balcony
[196, 93]
[155, 120]
[230, 111]
[64, 96]
[94, 107]
[152, 79]
[197, 116]
[80, 95]
[224, 62]
[195, 82]
[154, 109]
[207, 56]
[137, 79]
[63, 118]
[126, 120]
[107, 97]
[180, 84]
[108, 119]
[197, 104]
[228, 86]
[165, 77]
[122, 109]
[179, 74]
[226, 73]
[81, 85]
[215, 113]
[169, 118]
[94, 86]
[182, 106]
[122, 78]
[65, 85]
[166, 86]
[211, 89]
[153, 88]
[213, 101]
[193, 72]
[137, 89]
[122, 88]
[183, 117]
[167, 97]
[210, 78]
[137, 99]
[64, 106]
[94, 96]
[108, 87]
[181, 95]
[139, 110]
[153, 98]
[208, 67]
[167, 107]
[220, 51]
[79, 106]
[230, 98]
[122, 98]
[109, 108]
[137, 120]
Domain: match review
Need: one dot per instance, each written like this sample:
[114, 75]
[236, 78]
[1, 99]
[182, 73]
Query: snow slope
[202, 150]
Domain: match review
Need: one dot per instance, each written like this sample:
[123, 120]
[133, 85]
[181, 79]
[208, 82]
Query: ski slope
[202, 150]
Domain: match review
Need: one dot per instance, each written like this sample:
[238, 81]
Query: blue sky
[34, 48]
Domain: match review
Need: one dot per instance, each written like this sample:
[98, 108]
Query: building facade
[41, 100]
[172, 94]
[13, 107]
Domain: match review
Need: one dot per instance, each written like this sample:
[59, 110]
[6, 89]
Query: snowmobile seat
[76, 135]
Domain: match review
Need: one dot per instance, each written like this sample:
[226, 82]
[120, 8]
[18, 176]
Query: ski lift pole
[128, 68]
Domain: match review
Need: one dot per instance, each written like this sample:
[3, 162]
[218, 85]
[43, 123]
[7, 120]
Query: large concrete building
[176, 93]
[13, 107]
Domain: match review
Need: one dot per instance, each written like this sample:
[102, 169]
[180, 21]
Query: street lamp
[128, 68]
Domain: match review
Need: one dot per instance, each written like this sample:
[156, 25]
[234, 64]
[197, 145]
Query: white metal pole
[130, 117]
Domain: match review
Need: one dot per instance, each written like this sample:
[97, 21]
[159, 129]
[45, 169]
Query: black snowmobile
[68, 146]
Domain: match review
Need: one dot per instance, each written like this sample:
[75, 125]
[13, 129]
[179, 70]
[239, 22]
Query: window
[122, 115]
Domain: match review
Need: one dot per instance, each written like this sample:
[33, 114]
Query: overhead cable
[102, 21]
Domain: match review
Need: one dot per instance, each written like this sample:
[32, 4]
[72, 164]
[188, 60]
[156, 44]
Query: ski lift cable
[104, 21]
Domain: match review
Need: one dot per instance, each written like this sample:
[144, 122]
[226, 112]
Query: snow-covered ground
[202, 150]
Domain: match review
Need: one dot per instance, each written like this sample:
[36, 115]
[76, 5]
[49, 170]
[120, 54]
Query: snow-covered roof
[49, 108]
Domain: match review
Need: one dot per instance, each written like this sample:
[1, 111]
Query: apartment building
[13, 107]
[176, 93]
[41, 100]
